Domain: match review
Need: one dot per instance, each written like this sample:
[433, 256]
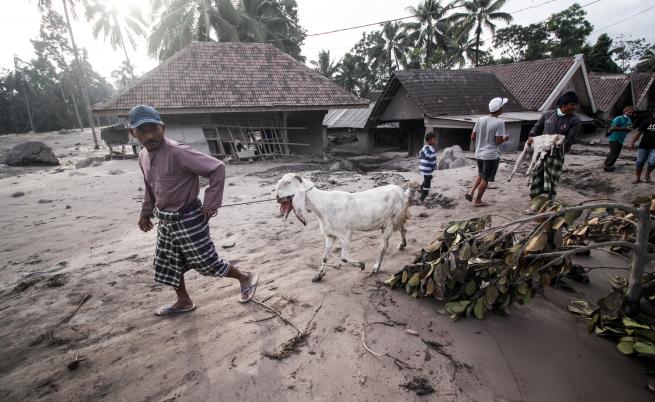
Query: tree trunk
[81, 77]
[639, 259]
[478, 31]
[27, 103]
[127, 58]
[428, 47]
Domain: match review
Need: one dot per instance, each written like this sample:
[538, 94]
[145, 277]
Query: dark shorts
[487, 169]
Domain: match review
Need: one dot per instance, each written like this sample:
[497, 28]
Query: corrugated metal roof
[348, 118]
[192, 136]
[509, 117]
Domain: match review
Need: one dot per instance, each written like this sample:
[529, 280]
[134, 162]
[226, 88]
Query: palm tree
[107, 21]
[123, 75]
[325, 65]
[350, 73]
[389, 47]
[431, 24]
[181, 21]
[481, 14]
[47, 4]
[462, 47]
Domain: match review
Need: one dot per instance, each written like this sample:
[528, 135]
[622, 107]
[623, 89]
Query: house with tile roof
[611, 93]
[538, 84]
[231, 97]
[447, 102]
[643, 87]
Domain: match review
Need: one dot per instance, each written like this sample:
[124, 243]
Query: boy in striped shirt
[427, 162]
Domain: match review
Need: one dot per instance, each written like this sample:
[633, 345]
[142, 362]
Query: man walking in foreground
[171, 175]
[620, 127]
[488, 134]
[562, 120]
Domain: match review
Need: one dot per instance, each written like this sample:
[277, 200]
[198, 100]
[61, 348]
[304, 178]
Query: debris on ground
[420, 385]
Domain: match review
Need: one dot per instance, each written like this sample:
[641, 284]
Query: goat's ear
[298, 202]
[295, 176]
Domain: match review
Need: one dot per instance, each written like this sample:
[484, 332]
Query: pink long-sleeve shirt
[171, 175]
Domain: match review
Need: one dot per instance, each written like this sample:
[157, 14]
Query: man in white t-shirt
[488, 134]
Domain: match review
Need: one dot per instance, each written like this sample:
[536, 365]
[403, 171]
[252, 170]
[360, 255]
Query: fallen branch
[270, 308]
[51, 331]
[399, 363]
[260, 320]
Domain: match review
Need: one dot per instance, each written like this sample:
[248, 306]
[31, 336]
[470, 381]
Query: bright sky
[21, 23]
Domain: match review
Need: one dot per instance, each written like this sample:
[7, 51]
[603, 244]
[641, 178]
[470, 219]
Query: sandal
[248, 293]
[170, 310]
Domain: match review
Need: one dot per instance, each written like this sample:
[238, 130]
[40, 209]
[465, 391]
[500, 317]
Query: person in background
[427, 162]
[618, 130]
[646, 149]
[488, 134]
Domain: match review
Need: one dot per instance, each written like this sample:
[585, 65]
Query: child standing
[427, 162]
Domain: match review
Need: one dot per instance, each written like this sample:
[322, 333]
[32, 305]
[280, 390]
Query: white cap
[496, 104]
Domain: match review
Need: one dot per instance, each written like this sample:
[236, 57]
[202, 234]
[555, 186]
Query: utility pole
[81, 77]
[27, 103]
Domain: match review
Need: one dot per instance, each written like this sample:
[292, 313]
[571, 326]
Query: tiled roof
[348, 118]
[217, 77]
[446, 92]
[607, 88]
[641, 84]
[531, 82]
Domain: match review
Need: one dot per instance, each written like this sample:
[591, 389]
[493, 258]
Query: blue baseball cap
[143, 114]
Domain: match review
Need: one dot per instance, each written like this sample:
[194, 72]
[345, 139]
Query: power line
[625, 19]
[401, 19]
[413, 16]
[546, 19]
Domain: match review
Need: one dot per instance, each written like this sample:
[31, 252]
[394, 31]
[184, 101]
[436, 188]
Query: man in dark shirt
[646, 150]
[562, 120]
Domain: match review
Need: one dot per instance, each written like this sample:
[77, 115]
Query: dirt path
[73, 233]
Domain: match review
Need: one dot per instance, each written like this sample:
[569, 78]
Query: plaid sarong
[546, 176]
[183, 243]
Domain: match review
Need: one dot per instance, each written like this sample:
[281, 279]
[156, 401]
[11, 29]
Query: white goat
[540, 147]
[341, 213]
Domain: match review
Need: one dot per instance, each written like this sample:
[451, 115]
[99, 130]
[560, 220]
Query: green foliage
[569, 29]
[599, 56]
[326, 66]
[481, 14]
[634, 335]
[523, 43]
[178, 22]
[48, 83]
[475, 269]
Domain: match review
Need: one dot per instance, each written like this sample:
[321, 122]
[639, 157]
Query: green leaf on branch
[479, 309]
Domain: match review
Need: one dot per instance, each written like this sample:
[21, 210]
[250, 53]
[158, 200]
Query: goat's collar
[309, 189]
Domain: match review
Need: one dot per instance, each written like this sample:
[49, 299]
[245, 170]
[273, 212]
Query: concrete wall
[364, 142]
[577, 85]
[401, 107]
[312, 134]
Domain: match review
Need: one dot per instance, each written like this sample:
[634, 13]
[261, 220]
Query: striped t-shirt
[427, 160]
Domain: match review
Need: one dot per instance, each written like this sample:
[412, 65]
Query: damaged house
[446, 101]
[237, 100]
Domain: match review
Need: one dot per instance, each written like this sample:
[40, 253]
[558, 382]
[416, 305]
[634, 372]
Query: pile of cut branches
[475, 267]
[634, 335]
